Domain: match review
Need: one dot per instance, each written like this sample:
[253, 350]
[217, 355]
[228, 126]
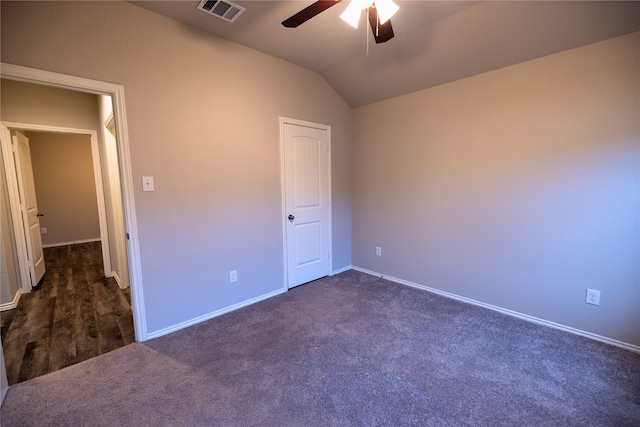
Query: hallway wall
[34, 104]
[65, 187]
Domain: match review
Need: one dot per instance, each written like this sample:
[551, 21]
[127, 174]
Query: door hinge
[127, 236]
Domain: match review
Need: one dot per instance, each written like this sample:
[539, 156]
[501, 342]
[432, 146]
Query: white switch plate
[43, 230]
[378, 251]
[233, 276]
[147, 183]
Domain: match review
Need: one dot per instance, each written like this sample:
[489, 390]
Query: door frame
[14, 201]
[47, 78]
[283, 192]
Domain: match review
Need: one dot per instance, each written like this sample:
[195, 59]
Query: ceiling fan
[379, 12]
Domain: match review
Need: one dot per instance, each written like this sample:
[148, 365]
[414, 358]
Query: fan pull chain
[366, 30]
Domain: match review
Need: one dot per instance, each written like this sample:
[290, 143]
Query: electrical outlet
[233, 276]
[378, 251]
[43, 230]
[593, 297]
[147, 183]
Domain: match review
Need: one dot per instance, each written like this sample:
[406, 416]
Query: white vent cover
[222, 9]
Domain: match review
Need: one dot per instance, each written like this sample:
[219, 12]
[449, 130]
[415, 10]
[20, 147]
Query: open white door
[28, 206]
[307, 210]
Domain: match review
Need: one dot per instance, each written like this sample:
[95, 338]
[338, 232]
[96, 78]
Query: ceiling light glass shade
[351, 14]
[386, 9]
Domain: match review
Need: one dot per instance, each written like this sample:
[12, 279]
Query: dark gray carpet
[351, 349]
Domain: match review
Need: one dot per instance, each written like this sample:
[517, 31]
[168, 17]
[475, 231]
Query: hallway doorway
[116, 92]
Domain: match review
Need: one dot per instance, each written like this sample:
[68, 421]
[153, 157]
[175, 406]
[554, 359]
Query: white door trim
[47, 78]
[283, 214]
[102, 209]
[97, 167]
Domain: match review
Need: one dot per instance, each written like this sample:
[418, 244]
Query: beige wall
[203, 120]
[42, 105]
[65, 187]
[517, 188]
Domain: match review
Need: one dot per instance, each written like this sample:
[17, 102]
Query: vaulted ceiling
[435, 41]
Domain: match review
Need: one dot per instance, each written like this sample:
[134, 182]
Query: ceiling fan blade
[309, 12]
[381, 32]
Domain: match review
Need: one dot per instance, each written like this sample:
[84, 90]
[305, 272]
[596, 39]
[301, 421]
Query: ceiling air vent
[222, 9]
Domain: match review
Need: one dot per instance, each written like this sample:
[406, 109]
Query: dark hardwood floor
[74, 314]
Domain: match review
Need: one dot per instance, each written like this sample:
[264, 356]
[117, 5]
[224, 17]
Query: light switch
[147, 183]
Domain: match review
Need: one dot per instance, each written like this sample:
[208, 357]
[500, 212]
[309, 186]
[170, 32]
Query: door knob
[291, 217]
[40, 214]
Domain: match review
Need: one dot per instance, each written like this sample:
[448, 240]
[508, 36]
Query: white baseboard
[118, 281]
[74, 242]
[211, 315]
[225, 310]
[13, 304]
[526, 317]
[341, 270]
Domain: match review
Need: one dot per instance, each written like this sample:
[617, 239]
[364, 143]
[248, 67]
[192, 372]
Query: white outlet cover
[593, 297]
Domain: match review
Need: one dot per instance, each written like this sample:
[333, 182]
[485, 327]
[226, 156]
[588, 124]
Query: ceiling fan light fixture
[386, 9]
[351, 14]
